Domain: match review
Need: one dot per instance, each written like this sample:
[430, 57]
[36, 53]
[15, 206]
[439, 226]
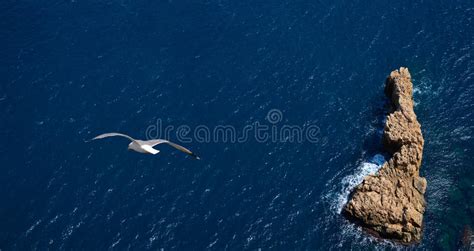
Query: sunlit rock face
[390, 204]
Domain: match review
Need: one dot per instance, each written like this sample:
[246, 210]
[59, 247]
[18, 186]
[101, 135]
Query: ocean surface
[73, 69]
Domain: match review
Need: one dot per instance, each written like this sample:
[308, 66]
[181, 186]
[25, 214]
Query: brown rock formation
[467, 240]
[390, 204]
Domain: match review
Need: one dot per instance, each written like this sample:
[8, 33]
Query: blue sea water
[73, 69]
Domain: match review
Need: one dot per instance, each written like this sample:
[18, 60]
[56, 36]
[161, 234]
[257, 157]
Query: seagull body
[146, 146]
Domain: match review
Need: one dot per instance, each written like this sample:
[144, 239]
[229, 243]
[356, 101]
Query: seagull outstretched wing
[113, 134]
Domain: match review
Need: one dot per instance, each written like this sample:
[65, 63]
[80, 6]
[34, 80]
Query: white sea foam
[349, 182]
[33, 227]
[338, 196]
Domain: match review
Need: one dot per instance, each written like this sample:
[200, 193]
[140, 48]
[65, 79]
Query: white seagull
[146, 146]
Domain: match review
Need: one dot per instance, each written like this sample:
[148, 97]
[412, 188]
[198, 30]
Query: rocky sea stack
[390, 204]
